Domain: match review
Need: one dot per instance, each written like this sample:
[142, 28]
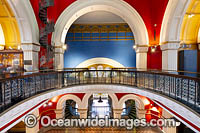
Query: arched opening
[106, 62]
[11, 55]
[100, 105]
[117, 7]
[90, 37]
[188, 51]
[129, 110]
[70, 109]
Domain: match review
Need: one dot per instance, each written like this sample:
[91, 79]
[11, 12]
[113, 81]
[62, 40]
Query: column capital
[141, 48]
[170, 46]
[118, 110]
[83, 113]
[59, 50]
[141, 113]
[117, 113]
[30, 47]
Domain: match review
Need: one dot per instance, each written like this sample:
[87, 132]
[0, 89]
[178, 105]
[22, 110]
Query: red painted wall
[154, 59]
[49, 110]
[152, 12]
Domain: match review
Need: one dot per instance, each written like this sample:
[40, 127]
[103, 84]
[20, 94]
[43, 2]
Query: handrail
[158, 70]
[182, 88]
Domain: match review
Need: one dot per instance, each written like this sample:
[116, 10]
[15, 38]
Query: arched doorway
[70, 109]
[129, 110]
[100, 105]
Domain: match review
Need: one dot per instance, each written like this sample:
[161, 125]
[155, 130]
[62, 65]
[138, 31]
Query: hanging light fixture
[100, 100]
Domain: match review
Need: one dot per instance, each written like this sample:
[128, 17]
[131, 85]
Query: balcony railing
[16, 88]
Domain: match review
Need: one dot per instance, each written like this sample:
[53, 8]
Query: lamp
[64, 47]
[153, 49]
[100, 100]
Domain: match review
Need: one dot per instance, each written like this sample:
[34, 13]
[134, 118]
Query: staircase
[70, 110]
[47, 26]
[130, 110]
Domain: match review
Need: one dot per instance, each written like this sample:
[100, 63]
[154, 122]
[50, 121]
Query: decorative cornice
[96, 28]
[141, 48]
[30, 44]
[167, 42]
[170, 46]
[188, 47]
[30, 47]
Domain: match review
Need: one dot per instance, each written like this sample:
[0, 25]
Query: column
[170, 56]
[167, 115]
[141, 113]
[83, 113]
[36, 128]
[59, 57]
[141, 56]
[59, 114]
[31, 58]
[117, 113]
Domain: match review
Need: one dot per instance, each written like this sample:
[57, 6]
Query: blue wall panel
[120, 50]
[190, 60]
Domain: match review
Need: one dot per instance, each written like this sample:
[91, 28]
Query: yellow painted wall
[199, 36]
[191, 23]
[9, 26]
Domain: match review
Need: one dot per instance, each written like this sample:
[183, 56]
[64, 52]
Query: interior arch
[93, 61]
[118, 7]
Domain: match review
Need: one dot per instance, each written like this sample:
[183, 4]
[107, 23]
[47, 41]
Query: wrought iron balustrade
[182, 88]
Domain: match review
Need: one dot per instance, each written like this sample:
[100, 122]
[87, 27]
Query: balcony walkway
[184, 89]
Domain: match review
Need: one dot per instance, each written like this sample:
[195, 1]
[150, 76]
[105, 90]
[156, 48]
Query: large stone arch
[61, 102]
[115, 103]
[63, 99]
[118, 7]
[170, 32]
[28, 30]
[191, 24]
[106, 61]
[137, 99]
[26, 19]
[79, 8]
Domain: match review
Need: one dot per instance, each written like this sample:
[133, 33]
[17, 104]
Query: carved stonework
[30, 47]
[140, 49]
[95, 28]
[170, 46]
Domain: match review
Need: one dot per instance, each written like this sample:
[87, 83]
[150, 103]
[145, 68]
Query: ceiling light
[191, 15]
[19, 47]
[153, 50]
[134, 47]
[64, 47]
[50, 103]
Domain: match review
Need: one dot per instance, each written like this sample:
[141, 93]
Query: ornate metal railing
[184, 89]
